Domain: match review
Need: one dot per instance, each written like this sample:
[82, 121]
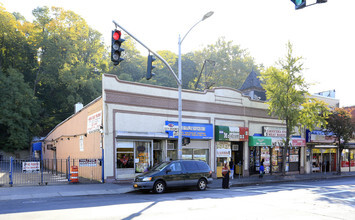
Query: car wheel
[159, 187]
[202, 184]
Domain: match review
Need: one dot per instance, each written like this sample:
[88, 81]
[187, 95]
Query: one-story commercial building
[133, 126]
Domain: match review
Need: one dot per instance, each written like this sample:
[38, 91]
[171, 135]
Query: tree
[18, 111]
[231, 65]
[339, 123]
[16, 50]
[286, 92]
[71, 57]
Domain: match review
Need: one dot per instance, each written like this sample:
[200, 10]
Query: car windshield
[160, 166]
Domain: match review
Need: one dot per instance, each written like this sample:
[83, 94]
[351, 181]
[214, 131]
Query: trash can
[74, 178]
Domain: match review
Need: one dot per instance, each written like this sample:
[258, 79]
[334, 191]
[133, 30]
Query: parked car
[176, 173]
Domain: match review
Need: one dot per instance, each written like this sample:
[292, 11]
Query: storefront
[260, 148]
[136, 152]
[200, 136]
[323, 151]
[229, 146]
[293, 155]
[347, 158]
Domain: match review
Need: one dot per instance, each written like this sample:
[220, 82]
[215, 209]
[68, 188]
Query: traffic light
[299, 3]
[150, 66]
[116, 47]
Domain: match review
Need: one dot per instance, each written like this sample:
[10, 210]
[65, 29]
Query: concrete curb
[36, 192]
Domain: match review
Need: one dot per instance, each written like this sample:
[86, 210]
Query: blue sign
[191, 130]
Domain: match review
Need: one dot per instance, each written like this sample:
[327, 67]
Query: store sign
[274, 131]
[259, 141]
[94, 122]
[191, 130]
[294, 142]
[320, 136]
[298, 142]
[229, 133]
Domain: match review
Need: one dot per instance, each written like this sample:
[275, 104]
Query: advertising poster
[31, 167]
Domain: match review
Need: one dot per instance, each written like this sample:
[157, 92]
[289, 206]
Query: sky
[322, 34]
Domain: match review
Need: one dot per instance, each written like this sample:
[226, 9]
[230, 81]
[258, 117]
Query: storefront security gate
[48, 171]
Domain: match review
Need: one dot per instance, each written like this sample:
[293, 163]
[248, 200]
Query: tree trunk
[284, 152]
[340, 148]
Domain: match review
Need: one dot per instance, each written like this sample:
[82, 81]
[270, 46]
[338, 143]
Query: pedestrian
[225, 173]
[261, 169]
[231, 166]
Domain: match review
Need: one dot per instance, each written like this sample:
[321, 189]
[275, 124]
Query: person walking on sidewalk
[262, 169]
[231, 166]
[225, 173]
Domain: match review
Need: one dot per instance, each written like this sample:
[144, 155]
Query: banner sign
[87, 162]
[229, 133]
[191, 130]
[30, 167]
[94, 122]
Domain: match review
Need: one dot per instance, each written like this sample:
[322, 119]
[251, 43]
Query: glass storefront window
[195, 154]
[187, 154]
[125, 158]
[142, 162]
[265, 154]
[276, 160]
[347, 161]
[201, 154]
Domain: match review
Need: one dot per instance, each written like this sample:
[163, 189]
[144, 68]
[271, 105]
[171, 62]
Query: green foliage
[19, 111]
[58, 61]
[314, 114]
[229, 65]
[71, 61]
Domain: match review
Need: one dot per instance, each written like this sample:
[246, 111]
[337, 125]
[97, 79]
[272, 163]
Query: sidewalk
[32, 192]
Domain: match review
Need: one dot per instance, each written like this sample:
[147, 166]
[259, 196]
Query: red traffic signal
[116, 35]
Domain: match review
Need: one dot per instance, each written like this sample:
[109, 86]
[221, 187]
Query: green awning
[259, 141]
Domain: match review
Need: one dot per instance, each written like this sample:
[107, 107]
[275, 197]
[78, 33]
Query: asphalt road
[326, 199]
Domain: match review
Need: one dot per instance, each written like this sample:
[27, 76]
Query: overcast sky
[322, 34]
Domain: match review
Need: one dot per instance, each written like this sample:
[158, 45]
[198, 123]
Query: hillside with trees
[49, 64]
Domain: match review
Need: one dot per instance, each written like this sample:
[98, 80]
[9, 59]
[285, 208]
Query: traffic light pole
[177, 79]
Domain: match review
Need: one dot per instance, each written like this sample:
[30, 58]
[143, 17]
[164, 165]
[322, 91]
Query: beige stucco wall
[66, 136]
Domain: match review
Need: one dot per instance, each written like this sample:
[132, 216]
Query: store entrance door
[237, 156]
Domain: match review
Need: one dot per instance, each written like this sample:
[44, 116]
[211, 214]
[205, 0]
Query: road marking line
[332, 192]
[345, 199]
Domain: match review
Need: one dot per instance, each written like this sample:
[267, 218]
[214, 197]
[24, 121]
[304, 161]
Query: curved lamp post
[207, 15]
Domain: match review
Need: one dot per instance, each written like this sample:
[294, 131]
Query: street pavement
[31, 192]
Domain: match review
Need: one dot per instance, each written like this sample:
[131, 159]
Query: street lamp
[207, 15]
